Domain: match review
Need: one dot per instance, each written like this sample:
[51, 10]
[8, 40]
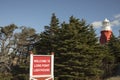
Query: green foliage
[14, 65]
[108, 62]
[75, 35]
[8, 30]
[114, 50]
[78, 55]
[114, 46]
[83, 65]
[7, 76]
[48, 38]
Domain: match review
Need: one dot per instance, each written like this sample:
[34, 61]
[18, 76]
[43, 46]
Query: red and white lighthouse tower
[106, 32]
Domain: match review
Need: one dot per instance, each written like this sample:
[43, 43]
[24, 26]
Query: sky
[37, 13]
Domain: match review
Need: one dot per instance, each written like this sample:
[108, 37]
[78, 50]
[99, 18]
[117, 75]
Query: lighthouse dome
[106, 24]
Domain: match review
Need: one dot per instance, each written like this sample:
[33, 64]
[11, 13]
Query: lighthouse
[106, 32]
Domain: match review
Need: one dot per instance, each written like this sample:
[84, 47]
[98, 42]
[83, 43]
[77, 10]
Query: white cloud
[115, 22]
[97, 24]
[117, 16]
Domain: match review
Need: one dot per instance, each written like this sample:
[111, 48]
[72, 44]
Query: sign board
[41, 66]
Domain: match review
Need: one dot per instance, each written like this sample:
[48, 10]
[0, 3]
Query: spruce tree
[48, 38]
[79, 57]
[114, 50]
[114, 46]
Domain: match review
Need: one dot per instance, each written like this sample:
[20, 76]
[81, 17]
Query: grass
[114, 78]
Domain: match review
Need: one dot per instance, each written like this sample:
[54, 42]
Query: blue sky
[37, 13]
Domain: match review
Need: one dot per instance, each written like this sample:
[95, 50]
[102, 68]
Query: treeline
[78, 53]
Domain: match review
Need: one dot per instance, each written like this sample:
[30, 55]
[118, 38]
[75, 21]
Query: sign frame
[49, 76]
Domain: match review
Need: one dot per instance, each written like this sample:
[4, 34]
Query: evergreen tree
[114, 50]
[48, 38]
[108, 61]
[75, 35]
[79, 57]
[114, 46]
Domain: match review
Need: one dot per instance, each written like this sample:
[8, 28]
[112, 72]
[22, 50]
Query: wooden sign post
[41, 67]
